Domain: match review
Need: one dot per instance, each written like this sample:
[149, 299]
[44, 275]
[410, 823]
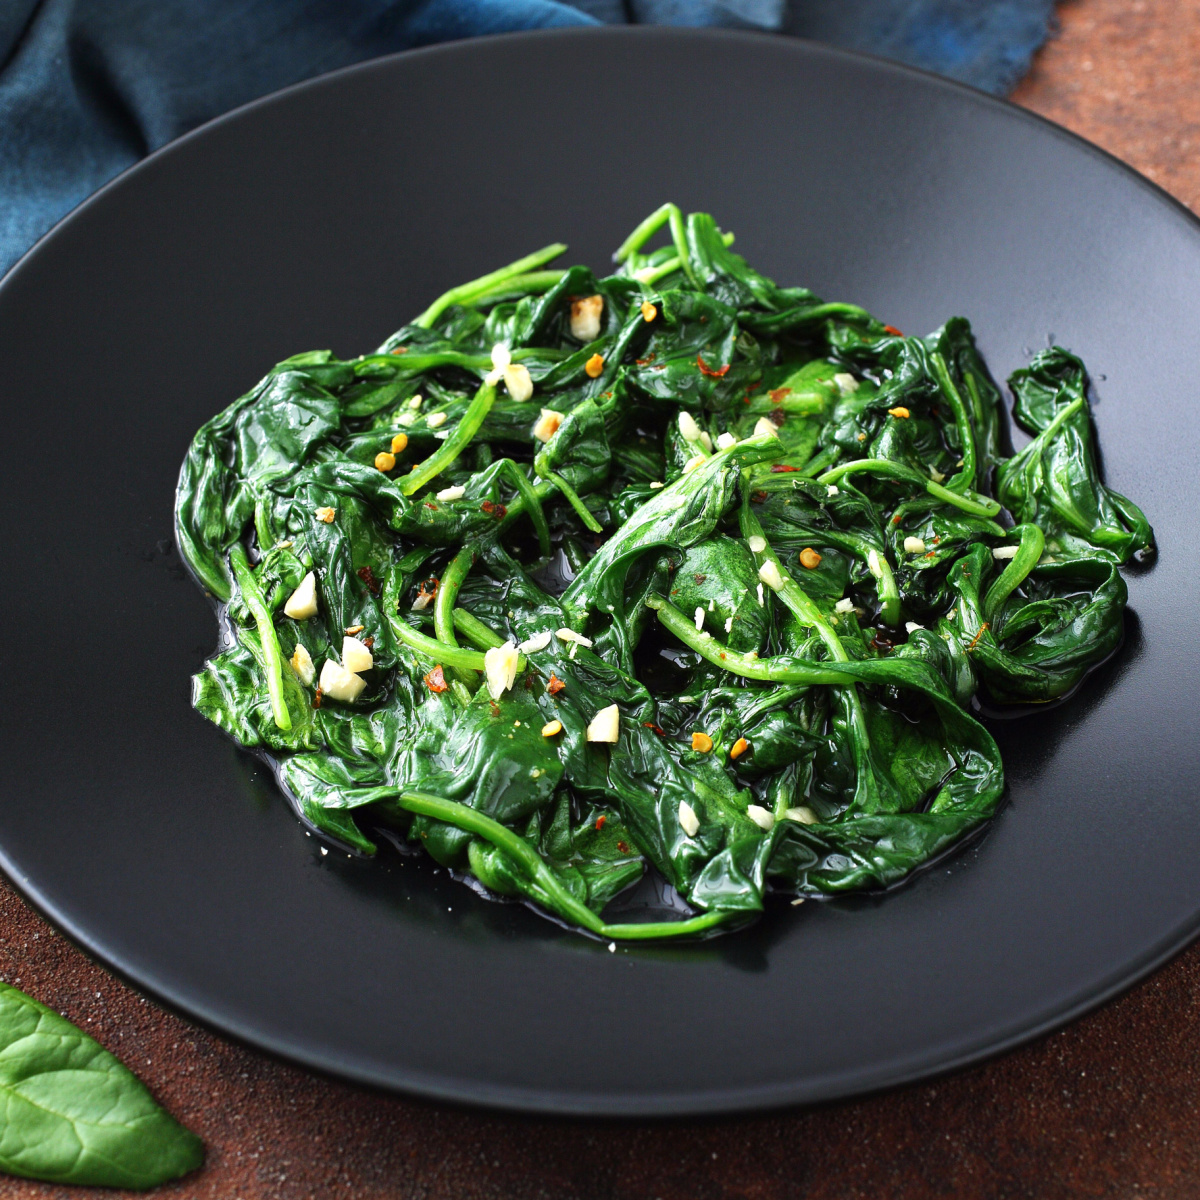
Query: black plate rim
[541, 1101]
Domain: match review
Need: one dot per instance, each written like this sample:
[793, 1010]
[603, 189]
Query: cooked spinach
[672, 570]
[73, 1114]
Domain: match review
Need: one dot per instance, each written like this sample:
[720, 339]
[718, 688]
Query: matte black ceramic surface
[328, 215]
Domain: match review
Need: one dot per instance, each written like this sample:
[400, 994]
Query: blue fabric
[87, 87]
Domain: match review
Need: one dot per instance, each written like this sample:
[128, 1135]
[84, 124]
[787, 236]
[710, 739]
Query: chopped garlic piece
[725, 441]
[846, 384]
[339, 684]
[761, 598]
[422, 602]
[802, 814]
[729, 625]
[435, 420]
[689, 430]
[699, 618]
[302, 664]
[1005, 552]
[415, 402]
[657, 484]
[546, 426]
[706, 440]
[761, 817]
[693, 463]
[914, 545]
[501, 356]
[605, 726]
[500, 668]
[874, 565]
[757, 543]
[688, 821]
[844, 605]
[325, 514]
[769, 574]
[407, 418]
[764, 427]
[539, 641]
[452, 493]
[912, 626]
[302, 603]
[569, 635]
[831, 489]
[936, 475]
[355, 656]
[518, 381]
[585, 317]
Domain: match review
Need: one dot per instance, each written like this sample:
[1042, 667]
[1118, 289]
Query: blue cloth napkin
[87, 87]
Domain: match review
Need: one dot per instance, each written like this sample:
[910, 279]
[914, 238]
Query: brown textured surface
[1108, 1107]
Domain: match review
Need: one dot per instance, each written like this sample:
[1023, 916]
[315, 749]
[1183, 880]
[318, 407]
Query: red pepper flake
[435, 681]
[369, 642]
[975, 639]
[554, 685]
[400, 350]
[753, 387]
[937, 539]
[368, 577]
[777, 417]
[722, 655]
[600, 821]
[645, 362]
[494, 707]
[781, 468]
[892, 330]
[931, 554]
[778, 394]
[705, 369]
[488, 506]
[759, 497]
[428, 588]
[897, 519]
[623, 847]
[433, 506]
[656, 728]
[699, 578]
[318, 696]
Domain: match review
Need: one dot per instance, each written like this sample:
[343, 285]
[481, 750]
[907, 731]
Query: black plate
[329, 214]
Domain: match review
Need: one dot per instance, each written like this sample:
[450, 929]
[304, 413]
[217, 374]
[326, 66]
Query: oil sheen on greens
[776, 522]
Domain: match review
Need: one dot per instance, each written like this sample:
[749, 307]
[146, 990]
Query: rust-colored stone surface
[1125, 74]
[1108, 1107]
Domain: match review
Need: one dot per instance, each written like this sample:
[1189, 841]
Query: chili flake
[782, 468]
[657, 728]
[318, 695]
[778, 394]
[739, 748]
[705, 369]
[702, 742]
[554, 685]
[368, 577]
[594, 366]
[809, 558]
[892, 330]
[600, 823]
[623, 847]
[975, 639]
[435, 681]
[649, 312]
